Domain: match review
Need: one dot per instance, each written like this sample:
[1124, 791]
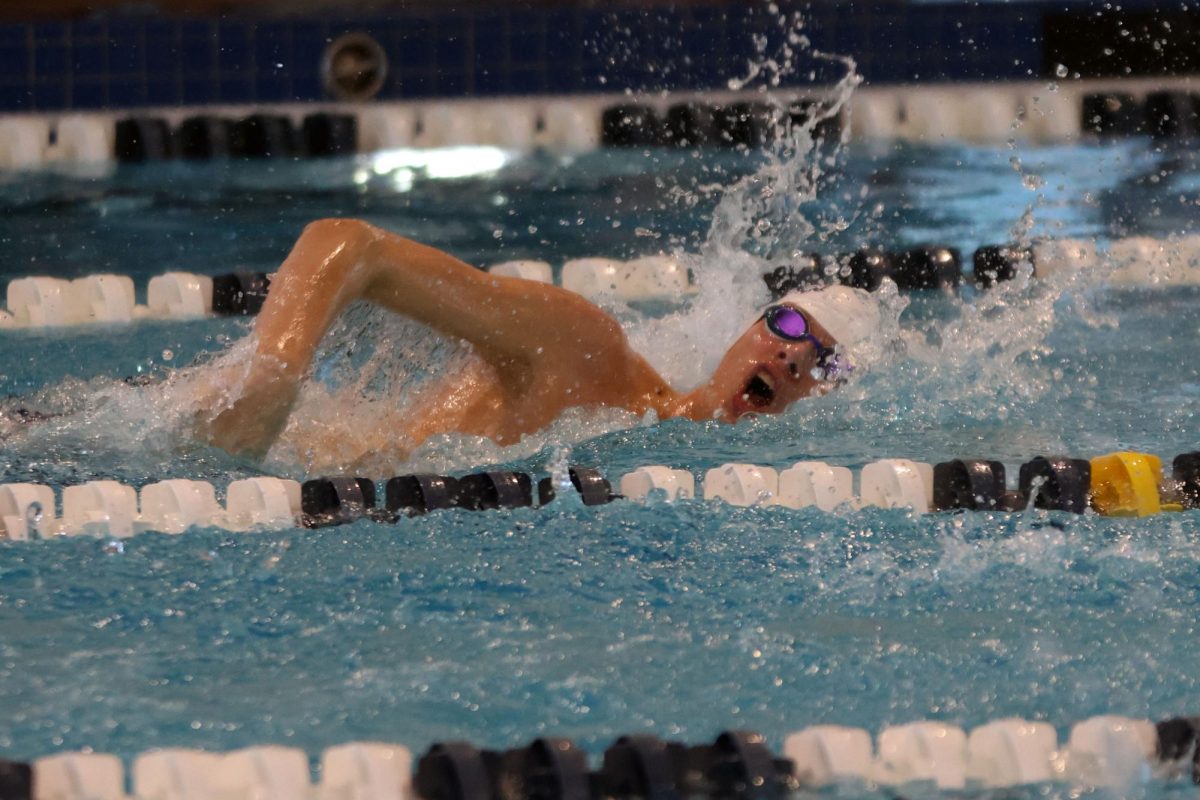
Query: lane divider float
[45, 302]
[1116, 484]
[259, 135]
[1104, 752]
[991, 113]
[1163, 115]
[692, 124]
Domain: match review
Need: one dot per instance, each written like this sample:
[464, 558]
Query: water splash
[765, 217]
[374, 370]
[353, 415]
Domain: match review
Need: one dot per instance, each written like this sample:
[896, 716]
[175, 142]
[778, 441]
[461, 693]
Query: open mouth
[760, 390]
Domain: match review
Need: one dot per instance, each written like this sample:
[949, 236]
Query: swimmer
[542, 349]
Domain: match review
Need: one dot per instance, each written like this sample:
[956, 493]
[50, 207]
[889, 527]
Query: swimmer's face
[764, 374]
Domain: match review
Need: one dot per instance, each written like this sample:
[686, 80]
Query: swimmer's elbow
[338, 228]
[360, 243]
[329, 252]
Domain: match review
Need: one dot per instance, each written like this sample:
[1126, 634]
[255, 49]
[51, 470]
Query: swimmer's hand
[249, 424]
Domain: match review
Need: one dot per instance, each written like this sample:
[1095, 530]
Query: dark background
[20, 10]
[62, 55]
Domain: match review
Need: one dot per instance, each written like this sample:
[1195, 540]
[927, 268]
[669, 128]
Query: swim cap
[850, 315]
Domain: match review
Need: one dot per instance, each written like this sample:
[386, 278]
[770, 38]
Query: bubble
[168, 355]
[1061, 70]
[560, 470]
[33, 520]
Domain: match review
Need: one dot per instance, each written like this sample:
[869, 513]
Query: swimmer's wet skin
[543, 349]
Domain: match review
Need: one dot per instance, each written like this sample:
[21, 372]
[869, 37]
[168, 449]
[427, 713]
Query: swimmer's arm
[511, 322]
[336, 262]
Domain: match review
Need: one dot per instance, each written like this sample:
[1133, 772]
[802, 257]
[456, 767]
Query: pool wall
[530, 77]
[131, 61]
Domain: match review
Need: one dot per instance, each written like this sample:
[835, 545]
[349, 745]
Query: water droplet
[168, 355]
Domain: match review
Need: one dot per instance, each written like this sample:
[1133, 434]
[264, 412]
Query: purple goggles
[790, 324]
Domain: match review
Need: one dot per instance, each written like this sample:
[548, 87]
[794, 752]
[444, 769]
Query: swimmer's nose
[793, 367]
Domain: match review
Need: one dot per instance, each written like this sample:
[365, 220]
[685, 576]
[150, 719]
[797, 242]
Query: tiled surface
[124, 61]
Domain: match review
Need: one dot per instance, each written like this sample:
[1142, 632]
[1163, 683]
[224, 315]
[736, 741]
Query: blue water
[681, 620]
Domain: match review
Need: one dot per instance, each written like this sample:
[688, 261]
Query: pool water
[681, 620]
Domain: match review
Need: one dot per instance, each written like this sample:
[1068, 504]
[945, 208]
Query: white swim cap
[850, 315]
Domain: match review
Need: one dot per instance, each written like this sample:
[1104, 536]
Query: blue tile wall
[130, 61]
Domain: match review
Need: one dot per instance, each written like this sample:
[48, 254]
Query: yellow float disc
[1126, 484]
